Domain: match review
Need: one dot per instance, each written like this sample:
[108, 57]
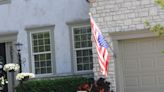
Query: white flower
[3, 80]
[11, 66]
[21, 76]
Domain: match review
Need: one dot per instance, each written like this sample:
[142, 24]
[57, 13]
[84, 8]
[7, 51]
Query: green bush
[52, 85]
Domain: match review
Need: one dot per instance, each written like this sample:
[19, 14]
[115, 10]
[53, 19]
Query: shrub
[52, 85]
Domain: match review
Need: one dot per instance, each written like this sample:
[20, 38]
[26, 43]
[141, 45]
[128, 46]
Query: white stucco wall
[19, 14]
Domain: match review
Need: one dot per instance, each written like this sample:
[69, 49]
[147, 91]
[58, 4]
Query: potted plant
[11, 67]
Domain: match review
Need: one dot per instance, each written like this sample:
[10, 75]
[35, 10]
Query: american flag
[101, 47]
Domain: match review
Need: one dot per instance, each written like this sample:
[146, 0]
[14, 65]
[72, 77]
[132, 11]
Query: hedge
[52, 85]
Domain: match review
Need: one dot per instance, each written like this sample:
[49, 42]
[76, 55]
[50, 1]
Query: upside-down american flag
[101, 47]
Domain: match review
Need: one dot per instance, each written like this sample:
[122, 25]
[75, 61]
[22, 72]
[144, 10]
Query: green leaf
[146, 23]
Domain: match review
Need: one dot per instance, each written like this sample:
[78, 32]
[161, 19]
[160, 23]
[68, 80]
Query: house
[138, 65]
[55, 37]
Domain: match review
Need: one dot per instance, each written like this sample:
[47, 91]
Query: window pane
[47, 41]
[88, 29]
[40, 35]
[48, 56]
[77, 31]
[42, 57]
[85, 52]
[34, 36]
[86, 67]
[77, 38]
[84, 30]
[36, 57]
[41, 48]
[35, 42]
[86, 60]
[84, 37]
[90, 51]
[89, 44]
[91, 58]
[35, 49]
[89, 37]
[79, 53]
[47, 48]
[49, 70]
[43, 64]
[48, 63]
[79, 67]
[77, 44]
[43, 70]
[37, 71]
[41, 42]
[36, 64]
[84, 44]
[46, 35]
[79, 60]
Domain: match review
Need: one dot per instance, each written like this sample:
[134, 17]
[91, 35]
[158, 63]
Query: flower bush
[22, 76]
[11, 67]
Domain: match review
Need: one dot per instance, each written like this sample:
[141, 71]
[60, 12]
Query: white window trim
[32, 54]
[74, 50]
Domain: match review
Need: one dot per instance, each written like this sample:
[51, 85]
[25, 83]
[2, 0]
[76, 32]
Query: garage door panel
[131, 82]
[160, 79]
[148, 80]
[160, 61]
[139, 63]
[131, 64]
[147, 63]
[146, 45]
[129, 48]
[138, 73]
[140, 81]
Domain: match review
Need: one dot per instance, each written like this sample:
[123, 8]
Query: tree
[160, 3]
[158, 28]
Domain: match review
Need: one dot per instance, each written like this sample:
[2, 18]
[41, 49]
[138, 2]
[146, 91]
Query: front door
[2, 63]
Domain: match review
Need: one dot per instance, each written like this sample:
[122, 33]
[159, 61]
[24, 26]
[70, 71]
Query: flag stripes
[101, 47]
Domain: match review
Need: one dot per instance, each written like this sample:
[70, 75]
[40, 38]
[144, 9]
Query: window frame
[40, 30]
[75, 49]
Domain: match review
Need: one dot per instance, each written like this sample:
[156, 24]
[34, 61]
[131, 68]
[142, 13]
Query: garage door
[143, 64]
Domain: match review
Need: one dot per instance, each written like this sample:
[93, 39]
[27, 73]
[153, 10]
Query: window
[83, 48]
[4, 1]
[41, 52]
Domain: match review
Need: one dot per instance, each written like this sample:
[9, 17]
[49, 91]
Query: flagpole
[114, 55]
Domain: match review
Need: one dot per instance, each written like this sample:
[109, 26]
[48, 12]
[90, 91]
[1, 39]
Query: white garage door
[143, 64]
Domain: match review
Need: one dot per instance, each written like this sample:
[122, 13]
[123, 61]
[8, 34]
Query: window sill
[84, 74]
